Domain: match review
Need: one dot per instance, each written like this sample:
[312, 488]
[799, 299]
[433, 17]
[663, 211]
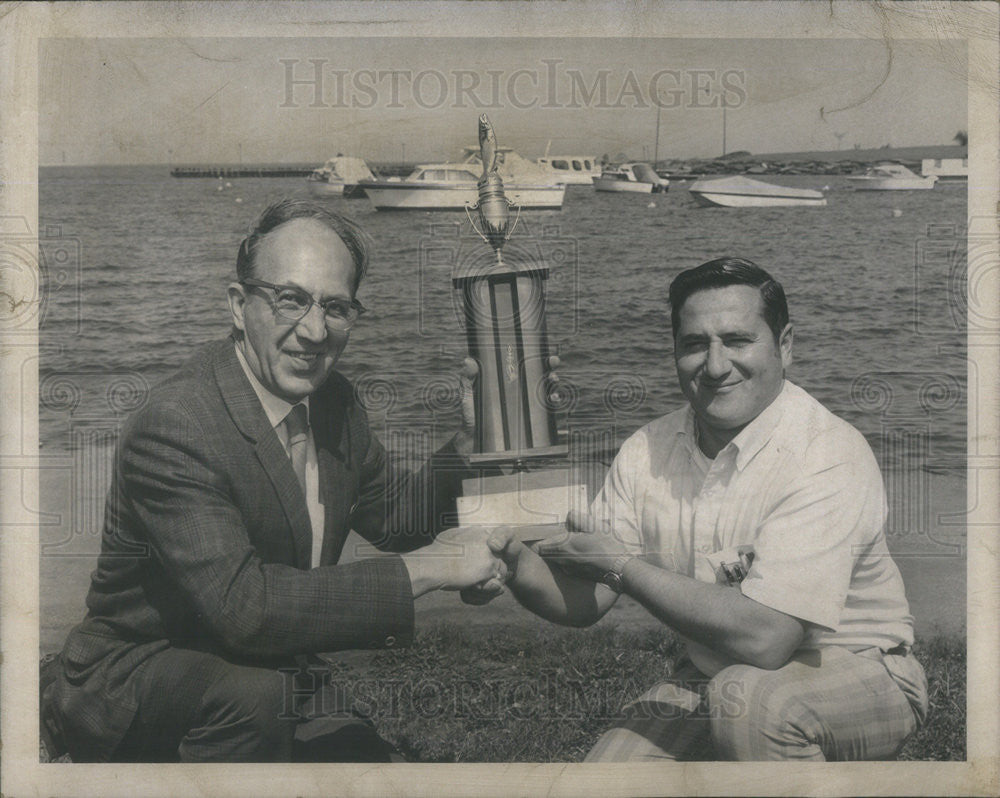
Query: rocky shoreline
[838, 162]
[687, 170]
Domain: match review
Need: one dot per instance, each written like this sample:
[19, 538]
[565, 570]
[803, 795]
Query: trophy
[504, 305]
[504, 308]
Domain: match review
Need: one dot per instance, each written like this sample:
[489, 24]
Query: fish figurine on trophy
[504, 309]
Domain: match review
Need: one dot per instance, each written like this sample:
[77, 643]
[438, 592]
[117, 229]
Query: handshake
[479, 560]
[476, 560]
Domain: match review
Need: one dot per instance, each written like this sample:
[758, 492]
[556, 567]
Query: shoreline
[913, 154]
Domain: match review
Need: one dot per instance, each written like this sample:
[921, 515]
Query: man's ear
[785, 346]
[237, 303]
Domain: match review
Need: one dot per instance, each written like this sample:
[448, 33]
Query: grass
[943, 736]
[507, 694]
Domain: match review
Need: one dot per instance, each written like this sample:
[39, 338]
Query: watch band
[613, 578]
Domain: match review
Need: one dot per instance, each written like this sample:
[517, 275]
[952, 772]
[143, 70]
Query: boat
[453, 186]
[573, 170]
[339, 177]
[891, 176]
[745, 192]
[631, 177]
[945, 169]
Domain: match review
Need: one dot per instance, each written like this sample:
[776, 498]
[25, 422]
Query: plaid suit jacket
[206, 542]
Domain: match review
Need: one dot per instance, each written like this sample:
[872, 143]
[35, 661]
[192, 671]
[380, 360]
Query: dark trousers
[195, 706]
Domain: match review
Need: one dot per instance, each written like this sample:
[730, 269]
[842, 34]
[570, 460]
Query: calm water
[875, 281]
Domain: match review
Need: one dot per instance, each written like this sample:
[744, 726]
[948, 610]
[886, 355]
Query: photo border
[21, 28]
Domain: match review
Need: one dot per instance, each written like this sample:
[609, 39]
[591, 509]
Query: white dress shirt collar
[752, 437]
[275, 408]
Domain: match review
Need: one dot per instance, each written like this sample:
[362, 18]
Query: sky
[303, 100]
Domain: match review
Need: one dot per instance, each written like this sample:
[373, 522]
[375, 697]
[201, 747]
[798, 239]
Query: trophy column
[505, 329]
[504, 308]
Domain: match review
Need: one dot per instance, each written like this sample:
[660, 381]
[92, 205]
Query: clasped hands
[586, 549]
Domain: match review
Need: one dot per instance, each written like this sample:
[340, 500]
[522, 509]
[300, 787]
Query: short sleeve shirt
[793, 507]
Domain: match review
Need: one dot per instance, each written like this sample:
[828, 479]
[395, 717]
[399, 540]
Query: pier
[241, 171]
[286, 170]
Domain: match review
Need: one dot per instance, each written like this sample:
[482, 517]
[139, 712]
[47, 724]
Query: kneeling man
[219, 584]
[751, 522]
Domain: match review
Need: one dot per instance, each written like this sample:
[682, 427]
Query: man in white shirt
[751, 522]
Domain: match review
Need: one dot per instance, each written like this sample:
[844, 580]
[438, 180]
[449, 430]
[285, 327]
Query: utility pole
[656, 148]
[723, 125]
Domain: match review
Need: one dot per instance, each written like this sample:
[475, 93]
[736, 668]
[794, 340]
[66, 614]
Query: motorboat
[631, 177]
[745, 192]
[945, 169]
[323, 182]
[571, 169]
[891, 176]
[439, 187]
[339, 177]
[453, 186]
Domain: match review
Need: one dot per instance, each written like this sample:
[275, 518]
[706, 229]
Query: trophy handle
[468, 212]
[475, 207]
[513, 227]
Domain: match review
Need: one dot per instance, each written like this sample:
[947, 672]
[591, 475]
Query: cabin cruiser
[891, 176]
[453, 186]
[745, 192]
[339, 177]
[631, 177]
[571, 169]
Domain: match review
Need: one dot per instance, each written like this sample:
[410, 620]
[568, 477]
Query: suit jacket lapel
[249, 417]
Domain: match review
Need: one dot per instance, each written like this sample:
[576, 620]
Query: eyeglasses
[293, 304]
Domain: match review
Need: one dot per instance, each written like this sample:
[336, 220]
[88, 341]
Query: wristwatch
[613, 578]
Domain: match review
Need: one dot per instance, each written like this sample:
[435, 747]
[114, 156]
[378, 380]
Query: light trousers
[824, 704]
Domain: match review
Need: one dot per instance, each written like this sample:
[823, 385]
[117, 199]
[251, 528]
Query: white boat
[891, 176]
[453, 186]
[339, 177]
[631, 177]
[744, 192]
[573, 170]
[945, 169]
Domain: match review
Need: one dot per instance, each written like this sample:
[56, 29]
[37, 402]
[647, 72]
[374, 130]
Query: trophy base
[536, 503]
[519, 455]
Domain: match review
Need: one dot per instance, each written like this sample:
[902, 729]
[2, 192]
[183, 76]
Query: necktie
[297, 426]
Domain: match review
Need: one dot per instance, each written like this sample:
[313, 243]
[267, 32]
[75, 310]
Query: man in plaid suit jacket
[218, 562]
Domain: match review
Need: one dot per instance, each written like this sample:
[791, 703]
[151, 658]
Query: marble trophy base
[535, 502]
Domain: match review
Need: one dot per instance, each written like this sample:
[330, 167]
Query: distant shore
[829, 162]
[837, 161]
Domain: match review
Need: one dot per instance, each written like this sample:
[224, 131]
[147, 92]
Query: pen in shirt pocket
[731, 565]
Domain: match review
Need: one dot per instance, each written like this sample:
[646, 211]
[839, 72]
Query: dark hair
[354, 238]
[723, 272]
